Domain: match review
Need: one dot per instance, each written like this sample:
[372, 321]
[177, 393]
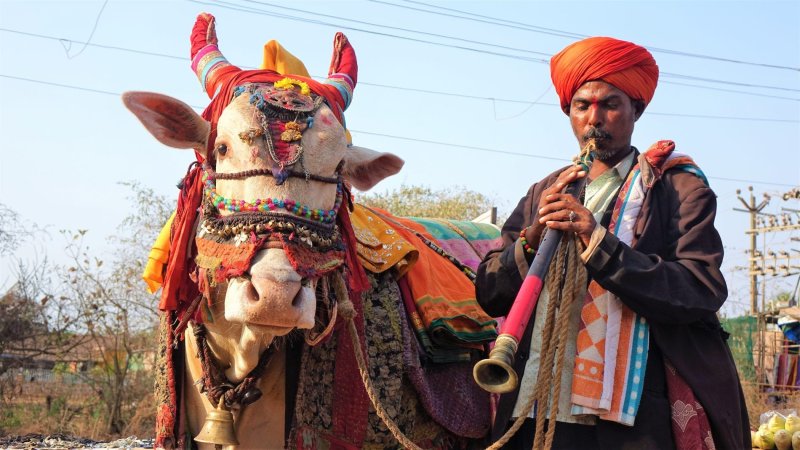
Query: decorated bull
[273, 334]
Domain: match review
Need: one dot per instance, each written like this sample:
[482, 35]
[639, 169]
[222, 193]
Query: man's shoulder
[683, 185]
[672, 166]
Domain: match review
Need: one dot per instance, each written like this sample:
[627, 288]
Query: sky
[460, 90]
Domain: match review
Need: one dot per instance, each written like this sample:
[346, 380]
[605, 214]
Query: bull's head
[276, 167]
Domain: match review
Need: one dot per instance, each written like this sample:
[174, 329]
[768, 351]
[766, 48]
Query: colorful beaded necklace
[271, 204]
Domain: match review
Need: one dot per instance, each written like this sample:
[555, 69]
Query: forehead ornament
[284, 111]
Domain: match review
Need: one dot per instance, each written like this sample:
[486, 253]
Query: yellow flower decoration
[292, 132]
[287, 83]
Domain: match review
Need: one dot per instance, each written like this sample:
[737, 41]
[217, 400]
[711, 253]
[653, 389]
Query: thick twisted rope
[570, 290]
[565, 264]
[348, 312]
[544, 378]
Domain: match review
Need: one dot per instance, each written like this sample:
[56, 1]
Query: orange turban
[627, 66]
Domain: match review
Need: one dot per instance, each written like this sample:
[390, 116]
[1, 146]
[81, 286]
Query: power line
[528, 155]
[429, 91]
[529, 102]
[703, 116]
[66, 86]
[91, 34]
[93, 44]
[377, 33]
[229, 5]
[732, 83]
[471, 147]
[492, 20]
[568, 34]
[182, 58]
[407, 30]
[405, 138]
[733, 90]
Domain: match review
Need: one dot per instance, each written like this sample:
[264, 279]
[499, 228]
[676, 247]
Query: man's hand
[561, 211]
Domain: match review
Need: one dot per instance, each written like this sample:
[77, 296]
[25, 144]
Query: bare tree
[34, 321]
[118, 316]
[12, 233]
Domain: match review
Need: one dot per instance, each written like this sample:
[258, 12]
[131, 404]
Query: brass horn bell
[218, 428]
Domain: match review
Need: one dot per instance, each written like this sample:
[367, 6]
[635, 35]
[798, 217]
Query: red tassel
[356, 277]
[178, 288]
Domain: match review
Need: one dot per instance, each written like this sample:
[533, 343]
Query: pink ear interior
[365, 168]
[169, 120]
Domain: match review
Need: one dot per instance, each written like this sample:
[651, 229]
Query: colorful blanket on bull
[467, 241]
[440, 298]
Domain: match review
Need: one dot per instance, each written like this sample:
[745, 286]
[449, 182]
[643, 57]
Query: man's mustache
[596, 133]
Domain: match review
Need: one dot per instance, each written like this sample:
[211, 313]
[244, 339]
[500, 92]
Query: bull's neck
[265, 417]
[236, 352]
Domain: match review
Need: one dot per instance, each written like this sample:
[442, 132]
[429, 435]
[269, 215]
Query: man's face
[601, 111]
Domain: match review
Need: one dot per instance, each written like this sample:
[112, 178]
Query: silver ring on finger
[572, 216]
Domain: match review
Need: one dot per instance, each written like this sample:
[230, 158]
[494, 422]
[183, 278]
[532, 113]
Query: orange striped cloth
[612, 342]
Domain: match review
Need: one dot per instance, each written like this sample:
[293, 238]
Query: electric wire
[391, 136]
[529, 102]
[377, 33]
[91, 34]
[712, 88]
[491, 20]
[94, 44]
[568, 34]
[180, 58]
[430, 91]
[230, 5]
[390, 27]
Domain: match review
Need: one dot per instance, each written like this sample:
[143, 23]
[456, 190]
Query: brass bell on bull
[218, 429]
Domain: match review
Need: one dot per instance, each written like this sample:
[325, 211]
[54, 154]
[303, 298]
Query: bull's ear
[364, 168]
[172, 122]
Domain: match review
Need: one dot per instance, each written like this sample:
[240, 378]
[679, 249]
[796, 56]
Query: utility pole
[767, 262]
[753, 210]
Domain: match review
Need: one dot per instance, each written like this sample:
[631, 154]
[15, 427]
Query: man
[646, 363]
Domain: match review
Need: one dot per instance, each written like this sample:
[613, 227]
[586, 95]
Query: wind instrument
[496, 373]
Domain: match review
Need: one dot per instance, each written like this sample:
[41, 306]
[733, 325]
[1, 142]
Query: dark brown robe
[671, 276]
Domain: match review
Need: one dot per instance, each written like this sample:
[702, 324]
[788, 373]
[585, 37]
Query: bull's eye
[222, 149]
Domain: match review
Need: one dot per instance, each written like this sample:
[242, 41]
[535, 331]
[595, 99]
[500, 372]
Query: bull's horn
[210, 65]
[343, 72]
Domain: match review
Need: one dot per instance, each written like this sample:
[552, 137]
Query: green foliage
[57, 406]
[742, 329]
[778, 301]
[60, 368]
[456, 202]
[10, 418]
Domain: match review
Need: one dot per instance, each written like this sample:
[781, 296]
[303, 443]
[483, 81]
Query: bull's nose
[274, 285]
[272, 294]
